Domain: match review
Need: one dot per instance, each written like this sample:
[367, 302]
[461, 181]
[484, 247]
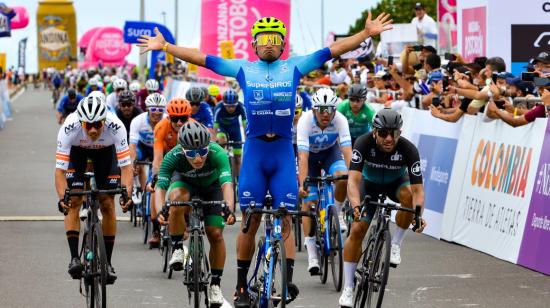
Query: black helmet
[357, 90]
[71, 93]
[194, 95]
[126, 96]
[387, 118]
[193, 136]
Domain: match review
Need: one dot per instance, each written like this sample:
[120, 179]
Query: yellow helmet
[213, 90]
[268, 24]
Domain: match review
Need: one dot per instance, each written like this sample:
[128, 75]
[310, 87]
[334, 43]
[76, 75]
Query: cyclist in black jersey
[382, 163]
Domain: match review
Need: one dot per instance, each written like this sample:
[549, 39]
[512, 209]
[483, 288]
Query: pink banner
[105, 45]
[21, 19]
[87, 37]
[224, 20]
[447, 23]
[474, 33]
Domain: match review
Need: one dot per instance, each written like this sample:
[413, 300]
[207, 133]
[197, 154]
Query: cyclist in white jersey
[323, 135]
[119, 85]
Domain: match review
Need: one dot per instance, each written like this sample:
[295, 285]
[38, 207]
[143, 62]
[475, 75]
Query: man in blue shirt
[67, 105]
[269, 88]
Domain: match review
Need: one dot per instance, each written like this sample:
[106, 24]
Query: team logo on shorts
[356, 157]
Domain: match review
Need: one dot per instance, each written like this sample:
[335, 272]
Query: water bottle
[267, 257]
[322, 215]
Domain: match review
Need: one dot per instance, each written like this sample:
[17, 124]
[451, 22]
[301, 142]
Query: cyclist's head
[230, 98]
[92, 112]
[194, 139]
[387, 129]
[93, 82]
[324, 106]
[179, 111]
[156, 105]
[213, 90]
[195, 95]
[98, 94]
[152, 85]
[357, 94]
[120, 84]
[135, 86]
[268, 35]
[71, 94]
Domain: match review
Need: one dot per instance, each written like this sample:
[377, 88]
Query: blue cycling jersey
[89, 90]
[65, 106]
[269, 89]
[223, 118]
[306, 101]
[204, 115]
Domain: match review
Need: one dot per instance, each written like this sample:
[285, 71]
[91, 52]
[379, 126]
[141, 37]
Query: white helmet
[114, 78]
[152, 85]
[91, 109]
[98, 94]
[155, 100]
[98, 77]
[120, 83]
[100, 84]
[107, 79]
[324, 97]
[135, 86]
[93, 81]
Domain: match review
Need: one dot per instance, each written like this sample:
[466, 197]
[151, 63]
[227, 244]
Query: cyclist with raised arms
[358, 113]
[390, 165]
[92, 133]
[141, 145]
[198, 168]
[323, 136]
[269, 86]
[226, 123]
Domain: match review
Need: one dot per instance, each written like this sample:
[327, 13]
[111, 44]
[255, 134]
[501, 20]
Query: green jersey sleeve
[220, 161]
[168, 167]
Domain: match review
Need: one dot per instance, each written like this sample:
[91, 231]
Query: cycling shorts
[212, 213]
[268, 165]
[105, 167]
[233, 133]
[390, 190]
[144, 152]
[330, 160]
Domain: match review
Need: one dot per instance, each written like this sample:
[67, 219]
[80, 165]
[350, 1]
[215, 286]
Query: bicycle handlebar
[194, 203]
[68, 193]
[231, 143]
[143, 162]
[280, 212]
[328, 179]
[394, 207]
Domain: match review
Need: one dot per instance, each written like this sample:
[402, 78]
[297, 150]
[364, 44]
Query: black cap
[543, 57]
[430, 49]
[419, 6]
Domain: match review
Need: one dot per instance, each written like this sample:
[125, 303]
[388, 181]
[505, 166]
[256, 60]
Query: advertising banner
[474, 33]
[21, 52]
[500, 172]
[232, 20]
[527, 42]
[3, 62]
[447, 19]
[6, 15]
[21, 19]
[534, 252]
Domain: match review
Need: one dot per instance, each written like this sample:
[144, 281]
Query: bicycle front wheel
[99, 269]
[277, 283]
[379, 271]
[200, 269]
[336, 257]
[362, 273]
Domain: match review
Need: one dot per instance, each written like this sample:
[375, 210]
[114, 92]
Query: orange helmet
[178, 107]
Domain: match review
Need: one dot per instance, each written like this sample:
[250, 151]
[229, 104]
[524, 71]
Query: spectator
[425, 25]
[340, 72]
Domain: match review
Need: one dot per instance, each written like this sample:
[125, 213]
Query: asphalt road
[34, 252]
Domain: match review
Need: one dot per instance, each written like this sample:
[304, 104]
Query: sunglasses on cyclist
[195, 153]
[356, 99]
[96, 125]
[264, 39]
[126, 105]
[297, 111]
[183, 119]
[156, 109]
[230, 105]
[384, 132]
[195, 103]
[327, 109]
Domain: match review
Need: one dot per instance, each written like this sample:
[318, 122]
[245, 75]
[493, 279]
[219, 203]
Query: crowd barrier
[487, 184]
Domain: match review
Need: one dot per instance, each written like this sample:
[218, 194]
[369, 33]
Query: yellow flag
[227, 50]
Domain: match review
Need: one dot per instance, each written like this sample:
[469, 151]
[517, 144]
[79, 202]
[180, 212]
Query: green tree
[402, 11]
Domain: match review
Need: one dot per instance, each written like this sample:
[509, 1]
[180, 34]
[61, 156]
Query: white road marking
[461, 276]
[46, 218]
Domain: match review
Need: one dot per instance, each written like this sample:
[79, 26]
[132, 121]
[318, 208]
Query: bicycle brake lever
[417, 218]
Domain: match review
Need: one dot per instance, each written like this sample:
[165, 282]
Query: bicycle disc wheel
[336, 257]
[379, 271]
[99, 269]
[196, 268]
[362, 273]
[278, 291]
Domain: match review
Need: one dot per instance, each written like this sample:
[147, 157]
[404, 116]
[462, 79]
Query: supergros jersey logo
[501, 167]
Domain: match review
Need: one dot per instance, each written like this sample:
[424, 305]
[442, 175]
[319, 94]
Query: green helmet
[268, 24]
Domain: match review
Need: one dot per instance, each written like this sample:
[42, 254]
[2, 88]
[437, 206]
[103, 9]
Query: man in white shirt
[426, 26]
[340, 72]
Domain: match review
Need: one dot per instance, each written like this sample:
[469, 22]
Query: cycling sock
[216, 277]
[311, 247]
[349, 274]
[156, 225]
[289, 269]
[242, 272]
[339, 205]
[398, 237]
[72, 238]
[177, 241]
[109, 243]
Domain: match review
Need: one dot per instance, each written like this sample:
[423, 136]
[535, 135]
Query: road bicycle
[92, 253]
[373, 268]
[143, 209]
[328, 237]
[229, 147]
[269, 275]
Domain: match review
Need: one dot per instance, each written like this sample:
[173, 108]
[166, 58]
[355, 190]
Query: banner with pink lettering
[474, 32]
[447, 18]
[231, 20]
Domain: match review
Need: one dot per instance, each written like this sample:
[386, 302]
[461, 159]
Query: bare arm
[133, 152]
[354, 180]
[347, 155]
[157, 42]
[302, 167]
[127, 178]
[449, 117]
[510, 119]
[157, 160]
[60, 182]
[372, 28]
[418, 195]
[404, 84]
[228, 195]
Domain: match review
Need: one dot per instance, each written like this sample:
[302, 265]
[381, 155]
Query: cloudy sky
[305, 20]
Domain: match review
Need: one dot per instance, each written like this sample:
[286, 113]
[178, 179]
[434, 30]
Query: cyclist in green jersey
[199, 168]
[358, 113]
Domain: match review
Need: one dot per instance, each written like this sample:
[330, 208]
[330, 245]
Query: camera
[436, 101]
[528, 76]
[449, 56]
[390, 60]
[417, 48]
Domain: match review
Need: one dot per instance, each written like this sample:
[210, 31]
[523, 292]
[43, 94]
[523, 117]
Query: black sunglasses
[126, 105]
[384, 132]
[183, 119]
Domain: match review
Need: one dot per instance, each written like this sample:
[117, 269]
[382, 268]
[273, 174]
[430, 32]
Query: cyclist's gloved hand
[230, 218]
[154, 181]
[62, 207]
[126, 205]
[303, 191]
[162, 216]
